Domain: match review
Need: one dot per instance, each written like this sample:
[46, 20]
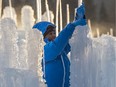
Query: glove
[80, 22]
[80, 12]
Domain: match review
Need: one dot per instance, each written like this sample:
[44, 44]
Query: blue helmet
[42, 26]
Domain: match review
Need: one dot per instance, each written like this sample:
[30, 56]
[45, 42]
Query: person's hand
[80, 22]
[80, 12]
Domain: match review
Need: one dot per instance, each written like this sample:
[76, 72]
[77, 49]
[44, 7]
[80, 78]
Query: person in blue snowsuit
[56, 64]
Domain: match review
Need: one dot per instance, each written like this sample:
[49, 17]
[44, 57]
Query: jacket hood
[42, 26]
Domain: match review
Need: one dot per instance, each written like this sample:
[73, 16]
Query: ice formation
[93, 60]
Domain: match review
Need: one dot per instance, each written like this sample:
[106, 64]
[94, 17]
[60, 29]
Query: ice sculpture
[27, 17]
[20, 54]
[10, 77]
[79, 42]
[9, 48]
[9, 12]
[44, 16]
[93, 60]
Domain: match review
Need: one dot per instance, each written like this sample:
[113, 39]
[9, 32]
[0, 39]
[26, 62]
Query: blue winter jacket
[55, 63]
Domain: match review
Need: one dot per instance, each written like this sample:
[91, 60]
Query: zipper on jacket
[64, 71]
[43, 63]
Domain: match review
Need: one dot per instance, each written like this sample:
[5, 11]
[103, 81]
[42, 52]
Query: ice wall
[10, 77]
[27, 17]
[9, 48]
[20, 53]
[9, 12]
[93, 60]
